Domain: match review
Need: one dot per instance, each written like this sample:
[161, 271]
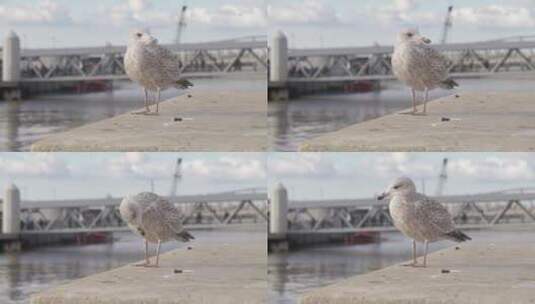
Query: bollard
[11, 58]
[279, 211]
[11, 210]
[278, 69]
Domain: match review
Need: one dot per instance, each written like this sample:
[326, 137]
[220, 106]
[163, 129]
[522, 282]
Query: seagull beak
[426, 40]
[381, 196]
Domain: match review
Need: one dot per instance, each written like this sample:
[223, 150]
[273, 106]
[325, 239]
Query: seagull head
[412, 35]
[142, 37]
[401, 186]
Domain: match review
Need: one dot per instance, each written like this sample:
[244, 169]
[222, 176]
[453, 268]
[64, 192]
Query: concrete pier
[278, 220]
[211, 273]
[11, 67]
[464, 122]
[206, 121]
[11, 218]
[484, 272]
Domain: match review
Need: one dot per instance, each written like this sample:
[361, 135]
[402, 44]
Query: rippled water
[292, 274]
[32, 271]
[22, 123]
[291, 123]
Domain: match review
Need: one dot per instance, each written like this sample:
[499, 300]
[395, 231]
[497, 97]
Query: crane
[447, 25]
[442, 178]
[181, 23]
[177, 177]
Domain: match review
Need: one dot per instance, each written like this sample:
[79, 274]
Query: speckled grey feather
[153, 217]
[418, 65]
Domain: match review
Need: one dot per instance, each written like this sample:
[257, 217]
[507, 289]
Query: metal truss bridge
[475, 59]
[369, 215]
[106, 63]
[102, 215]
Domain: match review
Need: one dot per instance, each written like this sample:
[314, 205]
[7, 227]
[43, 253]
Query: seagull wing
[433, 214]
[166, 62]
[162, 212]
[436, 62]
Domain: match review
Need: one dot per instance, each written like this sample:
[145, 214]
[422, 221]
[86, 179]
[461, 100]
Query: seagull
[155, 219]
[419, 66]
[419, 217]
[154, 67]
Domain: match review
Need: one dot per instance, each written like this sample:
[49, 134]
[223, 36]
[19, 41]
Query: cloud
[302, 165]
[308, 12]
[401, 164]
[226, 169]
[229, 15]
[34, 165]
[493, 169]
[45, 12]
[495, 16]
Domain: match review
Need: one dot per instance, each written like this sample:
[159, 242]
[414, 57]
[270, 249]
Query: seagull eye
[139, 35]
[409, 34]
[397, 186]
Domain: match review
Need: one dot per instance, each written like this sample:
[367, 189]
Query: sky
[363, 175]
[42, 176]
[308, 23]
[326, 23]
[60, 23]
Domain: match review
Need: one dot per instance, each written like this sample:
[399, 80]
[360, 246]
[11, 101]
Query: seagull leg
[158, 253]
[426, 243]
[414, 261]
[147, 261]
[413, 93]
[145, 104]
[158, 102]
[425, 99]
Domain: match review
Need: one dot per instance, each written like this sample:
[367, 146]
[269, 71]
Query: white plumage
[419, 66]
[419, 217]
[154, 67]
[155, 219]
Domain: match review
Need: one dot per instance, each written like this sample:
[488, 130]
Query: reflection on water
[22, 123]
[291, 123]
[292, 274]
[29, 272]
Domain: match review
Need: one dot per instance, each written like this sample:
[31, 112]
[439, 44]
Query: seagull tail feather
[448, 84]
[183, 83]
[458, 236]
[184, 236]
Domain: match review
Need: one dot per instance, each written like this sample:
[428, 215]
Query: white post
[279, 58]
[11, 58]
[11, 210]
[279, 211]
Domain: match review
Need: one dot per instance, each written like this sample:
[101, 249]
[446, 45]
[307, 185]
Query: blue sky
[357, 175]
[96, 175]
[317, 23]
[58, 23]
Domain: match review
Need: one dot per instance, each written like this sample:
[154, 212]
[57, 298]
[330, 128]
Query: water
[23, 123]
[32, 271]
[291, 123]
[292, 274]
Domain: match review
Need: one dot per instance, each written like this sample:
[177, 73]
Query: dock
[491, 121]
[475, 272]
[225, 273]
[196, 121]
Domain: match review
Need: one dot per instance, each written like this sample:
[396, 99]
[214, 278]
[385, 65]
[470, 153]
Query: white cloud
[229, 16]
[226, 169]
[302, 164]
[401, 164]
[495, 16]
[34, 165]
[45, 12]
[306, 13]
[493, 169]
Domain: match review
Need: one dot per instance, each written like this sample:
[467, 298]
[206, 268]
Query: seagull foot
[416, 265]
[146, 264]
[144, 112]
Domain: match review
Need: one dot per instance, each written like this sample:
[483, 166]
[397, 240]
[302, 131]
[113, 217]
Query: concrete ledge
[478, 122]
[213, 121]
[479, 273]
[226, 274]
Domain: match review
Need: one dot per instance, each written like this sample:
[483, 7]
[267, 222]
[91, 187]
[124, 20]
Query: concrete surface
[223, 274]
[213, 121]
[479, 122]
[489, 273]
